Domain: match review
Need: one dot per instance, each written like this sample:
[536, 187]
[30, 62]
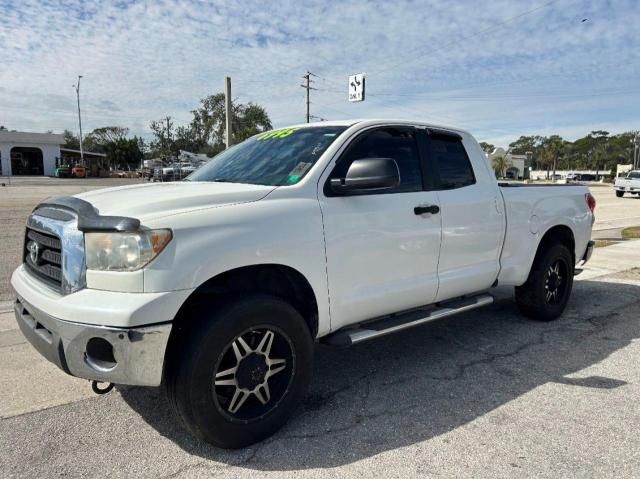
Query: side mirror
[368, 174]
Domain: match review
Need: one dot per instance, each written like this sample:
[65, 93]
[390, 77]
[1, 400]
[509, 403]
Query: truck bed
[532, 209]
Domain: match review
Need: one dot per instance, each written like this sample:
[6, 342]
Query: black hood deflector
[88, 218]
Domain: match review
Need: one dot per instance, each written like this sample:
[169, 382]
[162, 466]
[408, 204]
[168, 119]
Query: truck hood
[156, 200]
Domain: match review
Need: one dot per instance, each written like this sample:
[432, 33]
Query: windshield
[276, 158]
[634, 174]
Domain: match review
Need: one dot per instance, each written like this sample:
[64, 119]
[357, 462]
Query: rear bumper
[588, 252]
[119, 355]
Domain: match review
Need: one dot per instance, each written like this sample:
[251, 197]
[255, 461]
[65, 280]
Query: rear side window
[451, 162]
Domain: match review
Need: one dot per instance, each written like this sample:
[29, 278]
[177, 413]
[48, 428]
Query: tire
[542, 298]
[199, 383]
[619, 194]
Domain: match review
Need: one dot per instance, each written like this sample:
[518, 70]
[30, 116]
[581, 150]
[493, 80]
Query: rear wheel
[619, 194]
[545, 294]
[240, 372]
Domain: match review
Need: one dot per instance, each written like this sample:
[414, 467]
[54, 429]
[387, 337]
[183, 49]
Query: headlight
[124, 251]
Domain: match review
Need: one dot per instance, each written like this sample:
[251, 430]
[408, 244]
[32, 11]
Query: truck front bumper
[118, 355]
[101, 335]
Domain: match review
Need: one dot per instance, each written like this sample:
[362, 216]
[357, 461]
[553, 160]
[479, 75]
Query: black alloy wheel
[253, 374]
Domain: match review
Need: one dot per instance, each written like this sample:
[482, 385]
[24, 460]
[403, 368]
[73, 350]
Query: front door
[382, 255]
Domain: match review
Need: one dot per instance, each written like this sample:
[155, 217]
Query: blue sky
[498, 68]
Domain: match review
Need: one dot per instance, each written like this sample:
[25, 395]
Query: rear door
[472, 215]
[382, 256]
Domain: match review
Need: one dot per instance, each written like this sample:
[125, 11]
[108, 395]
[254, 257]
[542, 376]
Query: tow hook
[98, 390]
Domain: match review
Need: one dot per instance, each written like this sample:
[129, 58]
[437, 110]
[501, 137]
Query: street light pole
[77, 86]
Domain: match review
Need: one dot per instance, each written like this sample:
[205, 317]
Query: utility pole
[227, 110]
[307, 86]
[77, 87]
[169, 125]
[168, 120]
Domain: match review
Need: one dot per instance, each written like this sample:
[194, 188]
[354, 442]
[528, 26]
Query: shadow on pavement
[421, 383]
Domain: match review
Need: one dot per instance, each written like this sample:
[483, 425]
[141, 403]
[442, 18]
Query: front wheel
[237, 377]
[545, 294]
[619, 194]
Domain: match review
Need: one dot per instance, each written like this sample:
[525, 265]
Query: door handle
[422, 209]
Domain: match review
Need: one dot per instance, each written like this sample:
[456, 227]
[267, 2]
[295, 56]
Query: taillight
[591, 203]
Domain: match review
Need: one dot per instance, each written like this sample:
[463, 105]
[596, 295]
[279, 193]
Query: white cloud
[546, 71]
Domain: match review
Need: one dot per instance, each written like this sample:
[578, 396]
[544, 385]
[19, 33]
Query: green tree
[487, 147]
[526, 144]
[600, 150]
[164, 133]
[100, 139]
[209, 125]
[187, 138]
[108, 134]
[206, 131]
[552, 150]
[500, 165]
[124, 151]
[71, 140]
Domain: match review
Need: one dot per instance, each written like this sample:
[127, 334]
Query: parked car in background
[628, 184]
[174, 172]
[578, 177]
[163, 173]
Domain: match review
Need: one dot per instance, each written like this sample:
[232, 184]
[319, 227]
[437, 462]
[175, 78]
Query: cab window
[450, 161]
[390, 142]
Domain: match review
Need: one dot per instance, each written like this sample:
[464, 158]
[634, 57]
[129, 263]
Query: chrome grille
[43, 256]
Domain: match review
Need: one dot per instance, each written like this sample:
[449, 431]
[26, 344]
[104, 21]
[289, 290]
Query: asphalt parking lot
[484, 394]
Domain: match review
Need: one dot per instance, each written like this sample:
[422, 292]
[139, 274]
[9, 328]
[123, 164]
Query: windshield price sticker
[276, 134]
[297, 173]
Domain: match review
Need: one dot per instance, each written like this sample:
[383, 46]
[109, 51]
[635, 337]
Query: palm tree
[553, 149]
[500, 165]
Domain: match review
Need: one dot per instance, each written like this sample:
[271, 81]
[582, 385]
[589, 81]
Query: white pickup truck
[218, 286]
[628, 184]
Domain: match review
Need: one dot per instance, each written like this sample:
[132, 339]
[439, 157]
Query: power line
[414, 57]
[321, 105]
[478, 33]
[426, 95]
[412, 53]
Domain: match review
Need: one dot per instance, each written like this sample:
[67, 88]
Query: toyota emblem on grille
[34, 251]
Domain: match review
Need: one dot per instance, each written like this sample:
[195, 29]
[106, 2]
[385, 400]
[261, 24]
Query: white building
[520, 164]
[23, 153]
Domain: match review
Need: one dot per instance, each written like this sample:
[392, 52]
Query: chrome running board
[397, 322]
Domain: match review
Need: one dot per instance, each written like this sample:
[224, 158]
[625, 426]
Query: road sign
[356, 87]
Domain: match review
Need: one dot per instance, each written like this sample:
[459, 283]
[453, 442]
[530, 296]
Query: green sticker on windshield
[276, 134]
[297, 173]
